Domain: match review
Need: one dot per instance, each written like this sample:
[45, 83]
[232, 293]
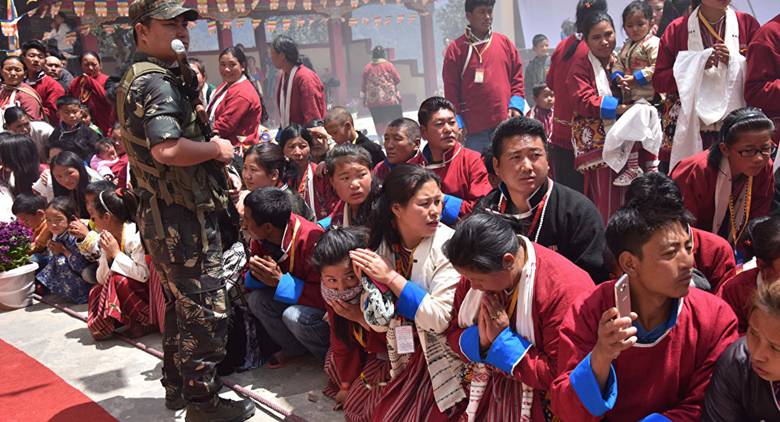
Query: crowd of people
[501, 258]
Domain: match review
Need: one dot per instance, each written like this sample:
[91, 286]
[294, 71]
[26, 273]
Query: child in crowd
[63, 273]
[86, 118]
[536, 71]
[72, 134]
[30, 210]
[85, 232]
[105, 158]
[349, 169]
[633, 72]
[543, 110]
[340, 125]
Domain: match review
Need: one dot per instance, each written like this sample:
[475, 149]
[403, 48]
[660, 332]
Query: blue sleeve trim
[655, 417]
[640, 78]
[469, 343]
[609, 107]
[411, 297]
[461, 123]
[289, 289]
[451, 209]
[587, 388]
[507, 350]
[518, 103]
[615, 74]
[252, 283]
[325, 222]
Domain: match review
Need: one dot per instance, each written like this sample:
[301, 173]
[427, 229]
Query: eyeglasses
[767, 150]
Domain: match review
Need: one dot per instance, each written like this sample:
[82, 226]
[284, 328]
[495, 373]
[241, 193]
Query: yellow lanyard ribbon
[710, 29]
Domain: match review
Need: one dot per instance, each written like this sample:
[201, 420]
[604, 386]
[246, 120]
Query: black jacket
[377, 155]
[80, 140]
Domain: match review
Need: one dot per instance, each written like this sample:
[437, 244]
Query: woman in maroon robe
[90, 89]
[15, 93]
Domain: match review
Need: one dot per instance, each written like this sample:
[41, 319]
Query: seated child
[544, 99]
[105, 158]
[87, 119]
[63, 273]
[30, 210]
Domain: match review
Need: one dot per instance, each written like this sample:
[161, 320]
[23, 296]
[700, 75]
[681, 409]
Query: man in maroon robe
[34, 56]
[300, 94]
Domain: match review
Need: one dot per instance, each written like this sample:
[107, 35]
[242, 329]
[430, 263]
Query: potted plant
[17, 271]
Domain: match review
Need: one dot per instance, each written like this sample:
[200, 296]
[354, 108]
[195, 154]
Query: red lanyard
[502, 206]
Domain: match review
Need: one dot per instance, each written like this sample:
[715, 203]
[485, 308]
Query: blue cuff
[325, 222]
[461, 123]
[640, 78]
[451, 209]
[289, 289]
[655, 417]
[518, 103]
[252, 283]
[469, 343]
[609, 107]
[587, 388]
[507, 350]
[615, 74]
[411, 297]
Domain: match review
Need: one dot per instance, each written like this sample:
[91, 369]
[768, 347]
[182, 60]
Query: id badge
[404, 339]
[479, 75]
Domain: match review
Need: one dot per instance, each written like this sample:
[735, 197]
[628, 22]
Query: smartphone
[623, 296]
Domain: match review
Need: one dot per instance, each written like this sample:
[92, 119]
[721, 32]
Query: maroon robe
[49, 90]
[762, 82]
[557, 284]
[483, 105]
[92, 93]
[300, 245]
[308, 96]
[26, 98]
[557, 77]
[697, 181]
[738, 292]
[668, 377]
[237, 116]
[713, 256]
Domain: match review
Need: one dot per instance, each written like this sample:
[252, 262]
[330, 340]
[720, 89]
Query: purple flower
[15, 244]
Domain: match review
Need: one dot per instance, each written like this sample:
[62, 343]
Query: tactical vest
[199, 188]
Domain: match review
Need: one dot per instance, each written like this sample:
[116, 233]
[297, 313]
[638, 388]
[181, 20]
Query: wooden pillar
[224, 36]
[338, 58]
[429, 52]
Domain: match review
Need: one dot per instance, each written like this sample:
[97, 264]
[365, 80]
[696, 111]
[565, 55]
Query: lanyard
[358, 334]
[735, 234]
[710, 29]
[291, 248]
[306, 187]
[541, 208]
[484, 49]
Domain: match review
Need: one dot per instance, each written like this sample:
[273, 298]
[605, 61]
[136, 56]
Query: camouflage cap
[160, 9]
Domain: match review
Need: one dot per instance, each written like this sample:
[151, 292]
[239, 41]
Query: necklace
[737, 233]
[710, 28]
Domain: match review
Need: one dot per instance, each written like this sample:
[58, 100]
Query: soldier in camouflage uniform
[181, 190]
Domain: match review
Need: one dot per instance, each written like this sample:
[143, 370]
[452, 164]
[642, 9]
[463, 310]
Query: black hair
[638, 6]
[67, 100]
[523, 126]
[94, 188]
[340, 114]
[654, 189]
[334, 245]
[378, 52]
[315, 123]
[470, 5]
[673, 9]
[33, 45]
[295, 131]
[268, 205]
[409, 126]
[285, 45]
[747, 119]
[238, 53]
[538, 39]
[20, 154]
[538, 89]
[13, 114]
[430, 106]
[121, 203]
[631, 227]
[199, 64]
[480, 242]
[346, 154]
[764, 239]
[63, 204]
[399, 187]
[17, 58]
[271, 157]
[28, 204]
[487, 158]
[72, 160]
[102, 144]
[90, 53]
[584, 9]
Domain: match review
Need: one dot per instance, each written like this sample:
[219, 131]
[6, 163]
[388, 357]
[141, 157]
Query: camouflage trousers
[196, 318]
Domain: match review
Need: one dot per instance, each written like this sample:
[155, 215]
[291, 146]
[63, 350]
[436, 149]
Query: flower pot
[17, 286]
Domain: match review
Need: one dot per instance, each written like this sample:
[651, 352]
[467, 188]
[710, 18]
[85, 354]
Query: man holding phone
[663, 351]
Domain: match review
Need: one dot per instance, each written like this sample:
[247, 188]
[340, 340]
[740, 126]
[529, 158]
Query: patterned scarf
[473, 39]
[378, 308]
[351, 295]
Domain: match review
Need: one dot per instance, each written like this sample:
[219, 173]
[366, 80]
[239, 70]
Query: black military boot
[220, 410]
[174, 400]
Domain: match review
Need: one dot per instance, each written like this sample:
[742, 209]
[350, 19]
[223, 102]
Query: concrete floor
[125, 380]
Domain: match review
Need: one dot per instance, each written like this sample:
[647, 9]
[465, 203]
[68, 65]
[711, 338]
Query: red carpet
[30, 392]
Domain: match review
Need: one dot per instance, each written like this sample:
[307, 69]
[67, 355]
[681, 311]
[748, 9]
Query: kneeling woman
[121, 297]
[357, 365]
[409, 261]
[349, 170]
[745, 385]
[731, 183]
[514, 295]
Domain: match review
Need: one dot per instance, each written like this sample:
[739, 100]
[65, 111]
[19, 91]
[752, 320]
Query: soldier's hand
[225, 153]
